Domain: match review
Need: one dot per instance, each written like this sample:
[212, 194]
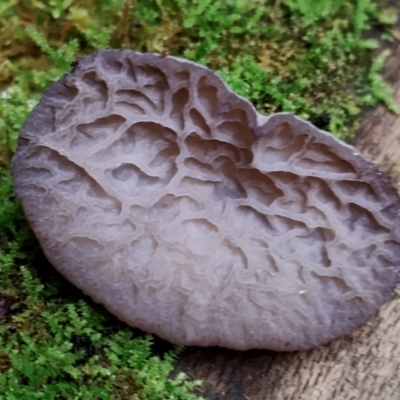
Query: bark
[362, 366]
[379, 137]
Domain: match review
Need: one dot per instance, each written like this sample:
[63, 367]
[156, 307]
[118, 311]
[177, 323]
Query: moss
[304, 56]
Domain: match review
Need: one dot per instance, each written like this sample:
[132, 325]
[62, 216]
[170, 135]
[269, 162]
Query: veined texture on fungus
[168, 199]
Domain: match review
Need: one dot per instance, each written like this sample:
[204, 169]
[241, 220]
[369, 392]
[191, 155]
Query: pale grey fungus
[168, 199]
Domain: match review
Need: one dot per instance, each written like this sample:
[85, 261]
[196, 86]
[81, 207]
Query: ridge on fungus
[168, 199]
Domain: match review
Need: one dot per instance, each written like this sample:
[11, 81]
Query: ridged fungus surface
[168, 199]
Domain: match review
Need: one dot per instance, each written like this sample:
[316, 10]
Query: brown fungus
[167, 198]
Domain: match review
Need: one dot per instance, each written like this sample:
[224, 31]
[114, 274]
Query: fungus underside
[273, 79]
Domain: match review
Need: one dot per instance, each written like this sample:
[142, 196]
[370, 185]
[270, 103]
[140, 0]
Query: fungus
[168, 199]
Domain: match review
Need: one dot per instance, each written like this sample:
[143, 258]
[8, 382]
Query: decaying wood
[362, 366]
[379, 138]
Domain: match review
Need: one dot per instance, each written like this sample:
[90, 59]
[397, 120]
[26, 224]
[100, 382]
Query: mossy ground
[310, 57]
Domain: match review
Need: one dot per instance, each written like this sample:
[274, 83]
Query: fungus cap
[168, 199]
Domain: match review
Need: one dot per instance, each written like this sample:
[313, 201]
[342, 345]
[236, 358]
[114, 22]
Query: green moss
[39, 358]
[310, 57]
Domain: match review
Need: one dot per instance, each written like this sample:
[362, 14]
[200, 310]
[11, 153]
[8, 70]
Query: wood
[379, 137]
[362, 366]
